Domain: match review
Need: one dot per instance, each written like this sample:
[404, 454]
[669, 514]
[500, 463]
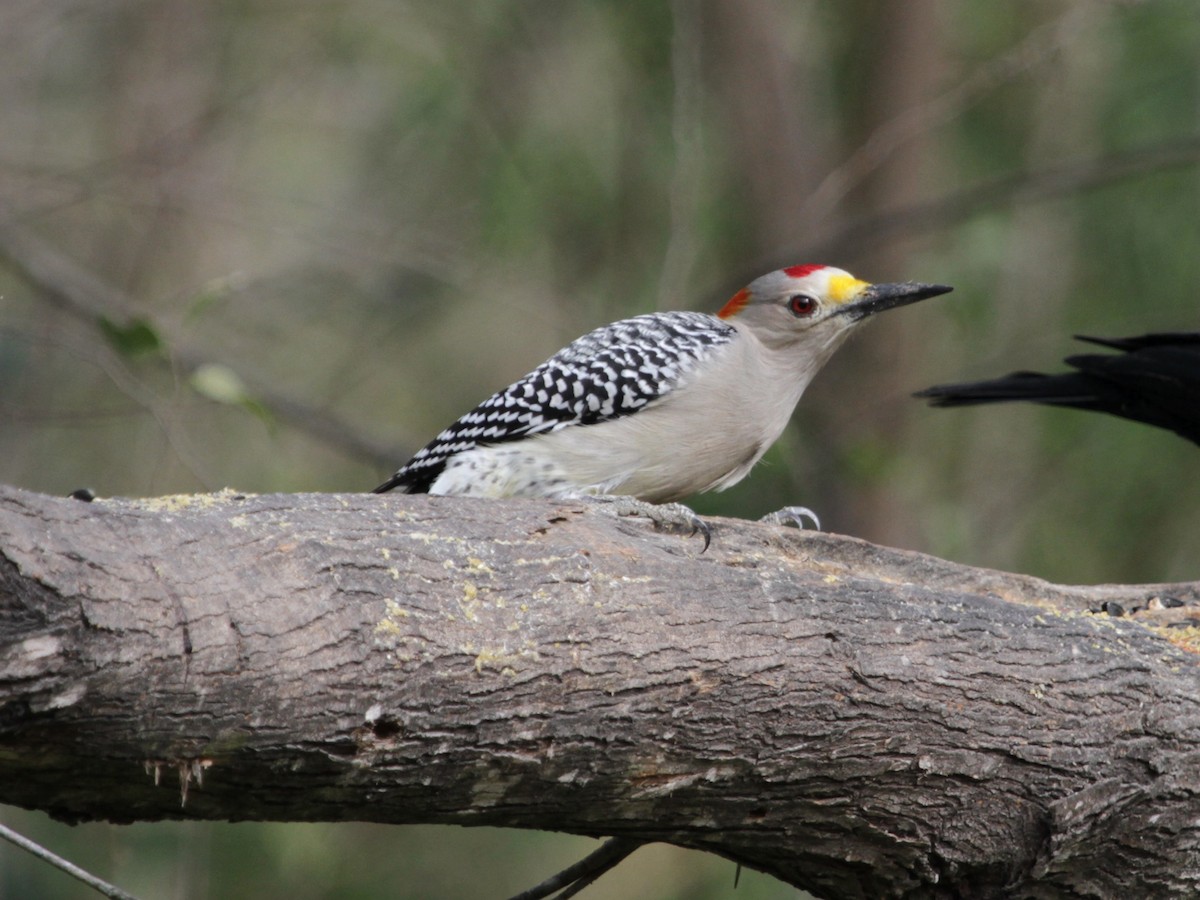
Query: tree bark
[858, 721]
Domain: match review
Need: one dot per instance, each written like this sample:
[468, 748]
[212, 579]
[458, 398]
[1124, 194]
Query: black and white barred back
[611, 372]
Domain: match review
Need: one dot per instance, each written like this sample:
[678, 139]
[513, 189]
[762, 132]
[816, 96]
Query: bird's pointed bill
[875, 298]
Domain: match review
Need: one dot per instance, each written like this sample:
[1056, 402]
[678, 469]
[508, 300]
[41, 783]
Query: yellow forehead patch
[844, 288]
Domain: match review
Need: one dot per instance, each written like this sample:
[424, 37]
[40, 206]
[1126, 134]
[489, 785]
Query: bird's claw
[793, 516]
[674, 516]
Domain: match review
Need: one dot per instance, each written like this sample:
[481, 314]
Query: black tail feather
[1154, 380]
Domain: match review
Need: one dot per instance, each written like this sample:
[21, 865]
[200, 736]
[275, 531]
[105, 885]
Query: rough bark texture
[860, 722]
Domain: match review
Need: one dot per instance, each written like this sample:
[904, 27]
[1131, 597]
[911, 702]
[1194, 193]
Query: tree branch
[579, 875]
[854, 720]
[64, 865]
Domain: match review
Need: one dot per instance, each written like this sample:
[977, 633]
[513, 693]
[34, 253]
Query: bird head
[800, 304]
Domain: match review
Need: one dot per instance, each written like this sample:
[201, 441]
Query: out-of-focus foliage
[382, 212]
[164, 860]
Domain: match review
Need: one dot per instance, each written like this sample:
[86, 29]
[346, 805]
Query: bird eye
[802, 306]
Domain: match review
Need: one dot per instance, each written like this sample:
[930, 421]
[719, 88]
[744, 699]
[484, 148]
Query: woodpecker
[1156, 380]
[659, 406]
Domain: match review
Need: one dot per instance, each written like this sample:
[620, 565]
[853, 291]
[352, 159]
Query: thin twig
[98, 884]
[576, 877]
[78, 291]
[1037, 47]
[1041, 184]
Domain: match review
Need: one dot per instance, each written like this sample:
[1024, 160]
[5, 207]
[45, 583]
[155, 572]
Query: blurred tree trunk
[1032, 295]
[888, 167]
[774, 113]
[857, 721]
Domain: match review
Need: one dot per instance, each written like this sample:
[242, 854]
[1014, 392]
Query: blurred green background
[303, 237]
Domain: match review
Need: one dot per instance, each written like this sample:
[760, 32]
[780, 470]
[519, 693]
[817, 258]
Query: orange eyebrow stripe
[735, 305]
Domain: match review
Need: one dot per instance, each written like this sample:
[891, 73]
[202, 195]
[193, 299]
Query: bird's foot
[669, 516]
[792, 515]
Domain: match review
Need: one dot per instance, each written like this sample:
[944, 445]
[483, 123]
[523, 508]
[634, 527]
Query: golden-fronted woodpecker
[659, 406]
[1156, 380]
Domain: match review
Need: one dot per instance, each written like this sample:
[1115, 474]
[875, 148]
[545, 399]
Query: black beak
[879, 297]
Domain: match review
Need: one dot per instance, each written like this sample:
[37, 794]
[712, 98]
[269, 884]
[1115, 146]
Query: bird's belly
[656, 455]
[621, 456]
[704, 436]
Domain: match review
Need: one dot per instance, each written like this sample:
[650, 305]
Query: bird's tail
[1067, 389]
[391, 484]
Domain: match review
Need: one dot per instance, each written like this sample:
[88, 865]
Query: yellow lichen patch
[479, 567]
[428, 537]
[469, 602]
[393, 615]
[180, 502]
[502, 659]
[545, 560]
[1187, 638]
[618, 580]
[388, 626]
